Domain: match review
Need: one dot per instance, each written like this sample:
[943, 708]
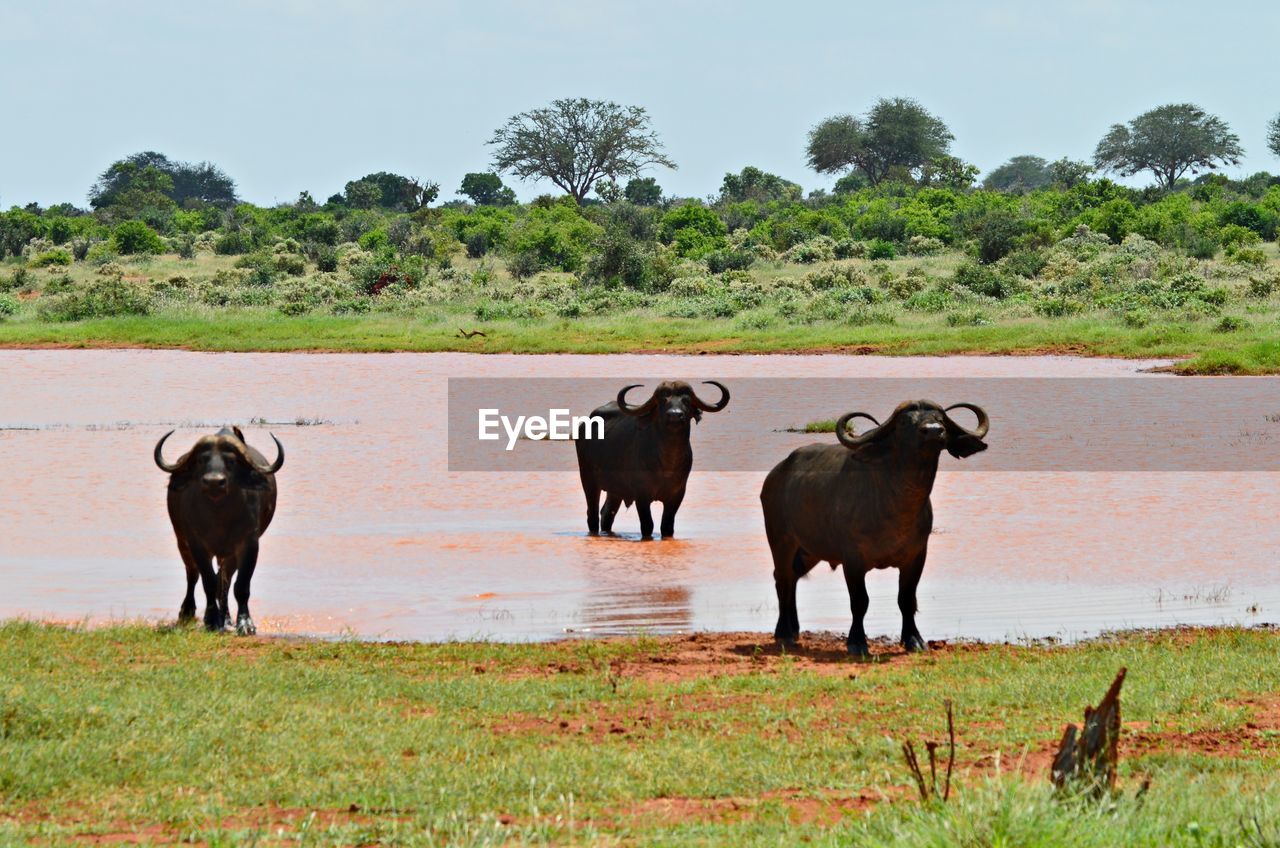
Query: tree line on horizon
[583, 146]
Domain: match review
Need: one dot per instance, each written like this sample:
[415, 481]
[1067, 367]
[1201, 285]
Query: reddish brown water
[374, 536]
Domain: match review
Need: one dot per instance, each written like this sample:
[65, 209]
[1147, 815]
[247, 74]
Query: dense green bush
[136, 237]
[553, 237]
[8, 305]
[693, 230]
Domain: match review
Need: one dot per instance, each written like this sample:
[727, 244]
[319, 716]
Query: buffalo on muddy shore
[863, 504]
[222, 496]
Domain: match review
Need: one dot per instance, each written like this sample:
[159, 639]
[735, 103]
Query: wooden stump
[1086, 759]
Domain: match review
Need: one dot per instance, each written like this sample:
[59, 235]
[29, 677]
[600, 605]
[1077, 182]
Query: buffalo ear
[697, 415]
[248, 477]
[239, 435]
[961, 445]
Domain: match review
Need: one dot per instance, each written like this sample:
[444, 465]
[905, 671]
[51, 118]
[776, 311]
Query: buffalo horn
[984, 423]
[642, 409]
[850, 441]
[159, 455]
[716, 407]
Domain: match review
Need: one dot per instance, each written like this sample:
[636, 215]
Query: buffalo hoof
[914, 644]
[213, 623]
[859, 651]
[186, 616]
[245, 626]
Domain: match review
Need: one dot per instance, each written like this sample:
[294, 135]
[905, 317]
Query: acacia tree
[1168, 141]
[897, 137]
[201, 182]
[486, 190]
[1019, 174]
[577, 142]
[1273, 135]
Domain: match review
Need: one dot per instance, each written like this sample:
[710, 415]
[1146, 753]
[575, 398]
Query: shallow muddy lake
[376, 537]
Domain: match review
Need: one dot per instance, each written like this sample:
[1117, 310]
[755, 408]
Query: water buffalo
[222, 495]
[644, 455]
[865, 504]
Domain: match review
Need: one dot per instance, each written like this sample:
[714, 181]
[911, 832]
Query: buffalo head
[916, 427]
[220, 463]
[674, 403]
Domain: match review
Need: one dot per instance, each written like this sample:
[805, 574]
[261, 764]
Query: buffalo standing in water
[222, 495]
[644, 456]
[864, 504]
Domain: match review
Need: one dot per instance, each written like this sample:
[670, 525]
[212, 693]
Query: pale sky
[287, 95]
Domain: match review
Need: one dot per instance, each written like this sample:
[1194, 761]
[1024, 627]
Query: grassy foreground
[138, 734]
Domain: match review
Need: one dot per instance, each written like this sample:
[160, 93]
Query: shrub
[136, 237]
[8, 305]
[729, 259]
[1137, 318]
[1253, 256]
[1230, 324]
[523, 264]
[693, 230]
[850, 249]
[1056, 306]
[374, 239]
[232, 244]
[57, 256]
[985, 280]
[924, 246]
[972, 318]
[557, 236]
[834, 276]
[1234, 235]
[102, 297]
[995, 234]
[326, 258]
[935, 299]
[816, 249]
[881, 249]
[619, 257]
[1025, 263]
[1261, 287]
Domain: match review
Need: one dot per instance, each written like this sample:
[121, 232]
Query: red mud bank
[375, 536]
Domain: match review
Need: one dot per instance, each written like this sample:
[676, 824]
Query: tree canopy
[188, 183]
[1169, 141]
[1020, 174]
[643, 191]
[1273, 135]
[389, 191]
[754, 184]
[486, 189]
[576, 142]
[896, 138]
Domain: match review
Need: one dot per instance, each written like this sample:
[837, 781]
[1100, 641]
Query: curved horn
[642, 409]
[159, 455]
[275, 466]
[984, 423]
[707, 407]
[849, 441]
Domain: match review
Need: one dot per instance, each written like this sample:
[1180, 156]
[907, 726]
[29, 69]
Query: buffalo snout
[214, 484]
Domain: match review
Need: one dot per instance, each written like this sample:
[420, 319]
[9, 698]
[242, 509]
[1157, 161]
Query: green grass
[177, 734]
[1243, 339]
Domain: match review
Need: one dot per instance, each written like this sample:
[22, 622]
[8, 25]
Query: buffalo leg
[608, 511]
[214, 612]
[248, 561]
[855, 577]
[908, 579]
[669, 509]
[784, 582]
[592, 492]
[187, 612]
[645, 512]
